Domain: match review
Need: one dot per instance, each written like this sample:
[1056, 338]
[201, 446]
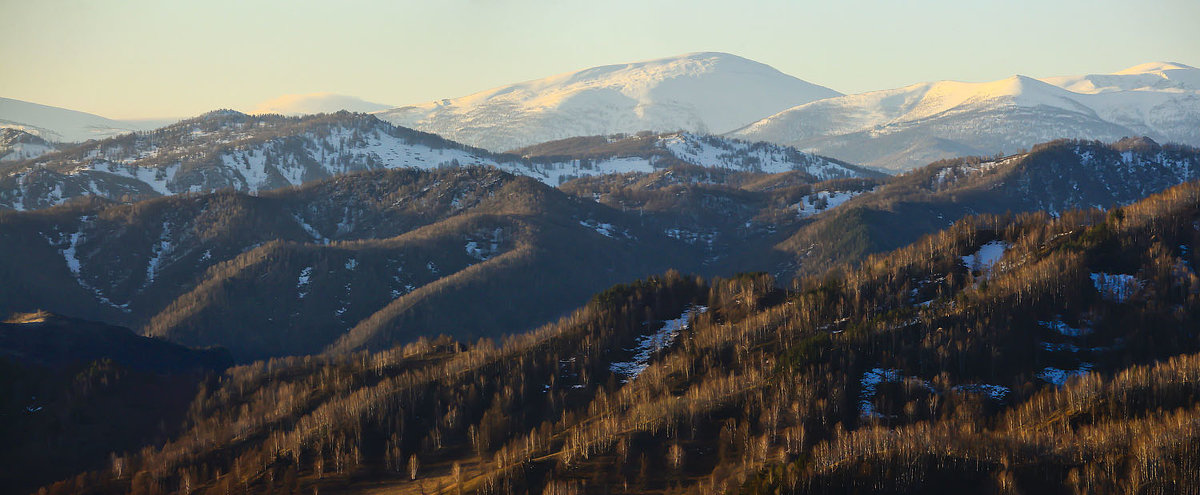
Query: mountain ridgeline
[230, 150]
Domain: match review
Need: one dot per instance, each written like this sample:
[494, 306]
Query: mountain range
[722, 94]
[635, 278]
[371, 259]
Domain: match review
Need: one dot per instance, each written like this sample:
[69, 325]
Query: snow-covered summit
[702, 92]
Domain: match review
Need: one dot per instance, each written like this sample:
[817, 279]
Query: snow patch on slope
[70, 254]
[304, 282]
[986, 257]
[647, 345]
[162, 248]
[1116, 288]
[822, 201]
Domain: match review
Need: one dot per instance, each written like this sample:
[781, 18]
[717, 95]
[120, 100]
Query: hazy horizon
[148, 60]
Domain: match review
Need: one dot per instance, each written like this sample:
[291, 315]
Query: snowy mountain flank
[17, 145]
[59, 124]
[700, 92]
[904, 128]
[228, 149]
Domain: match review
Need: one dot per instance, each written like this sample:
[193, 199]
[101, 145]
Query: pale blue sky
[160, 58]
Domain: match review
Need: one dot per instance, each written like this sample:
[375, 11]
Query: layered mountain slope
[699, 92]
[384, 256]
[228, 149]
[1054, 177]
[59, 124]
[1068, 364]
[362, 261]
[907, 127]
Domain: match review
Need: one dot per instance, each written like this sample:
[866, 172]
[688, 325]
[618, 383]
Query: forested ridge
[1026, 353]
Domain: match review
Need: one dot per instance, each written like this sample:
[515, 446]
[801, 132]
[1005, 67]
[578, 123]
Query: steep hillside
[698, 92]
[1054, 177]
[1004, 354]
[733, 218]
[904, 128]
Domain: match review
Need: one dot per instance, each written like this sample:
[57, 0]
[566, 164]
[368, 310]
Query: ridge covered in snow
[227, 149]
[907, 127]
[702, 92]
[59, 124]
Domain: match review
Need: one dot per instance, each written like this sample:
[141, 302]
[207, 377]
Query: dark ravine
[73, 391]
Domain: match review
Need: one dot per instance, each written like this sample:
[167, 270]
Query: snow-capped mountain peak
[702, 92]
[947, 96]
